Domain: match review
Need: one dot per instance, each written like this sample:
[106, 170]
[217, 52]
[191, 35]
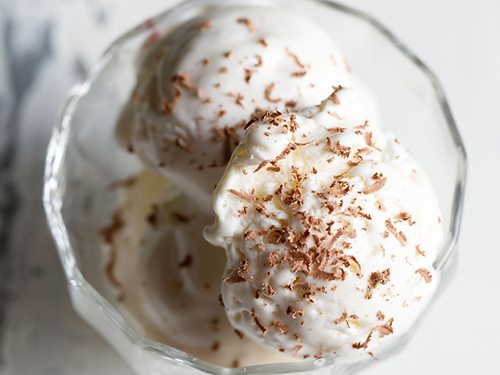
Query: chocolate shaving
[221, 302]
[169, 105]
[117, 223]
[386, 329]
[334, 97]
[268, 92]
[299, 74]
[238, 274]
[239, 333]
[283, 154]
[110, 268]
[337, 274]
[262, 42]
[238, 99]
[215, 346]
[294, 312]
[400, 236]
[249, 197]
[338, 149]
[248, 75]
[376, 186]
[248, 23]
[296, 59]
[183, 80]
[405, 216]
[369, 138]
[186, 262]
[426, 275]
[280, 327]
[380, 315]
[274, 258]
[419, 251]
[375, 279]
[338, 188]
[266, 286]
[258, 322]
[296, 349]
[251, 234]
[205, 25]
[259, 60]
[363, 345]
[342, 318]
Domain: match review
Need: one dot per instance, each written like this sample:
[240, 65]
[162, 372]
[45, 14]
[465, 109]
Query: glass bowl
[83, 159]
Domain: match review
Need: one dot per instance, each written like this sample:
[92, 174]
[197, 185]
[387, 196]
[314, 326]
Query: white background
[458, 39]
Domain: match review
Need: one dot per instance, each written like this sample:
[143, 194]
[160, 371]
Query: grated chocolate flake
[380, 315]
[238, 274]
[295, 59]
[168, 105]
[342, 318]
[205, 25]
[386, 329]
[215, 346]
[296, 349]
[334, 97]
[186, 262]
[274, 258]
[280, 327]
[239, 333]
[364, 344]
[338, 149]
[419, 251]
[268, 93]
[376, 186]
[248, 23]
[426, 275]
[249, 197]
[400, 236]
[294, 312]
[117, 223]
[221, 301]
[257, 322]
[375, 279]
[299, 74]
[248, 75]
[183, 80]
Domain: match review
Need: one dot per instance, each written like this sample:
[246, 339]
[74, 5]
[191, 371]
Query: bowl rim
[52, 197]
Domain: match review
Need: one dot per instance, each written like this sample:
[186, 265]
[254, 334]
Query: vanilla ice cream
[168, 277]
[198, 85]
[330, 230]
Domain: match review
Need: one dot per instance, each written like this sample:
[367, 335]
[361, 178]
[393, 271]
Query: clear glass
[83, 159]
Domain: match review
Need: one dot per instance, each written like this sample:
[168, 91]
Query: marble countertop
[48, 45]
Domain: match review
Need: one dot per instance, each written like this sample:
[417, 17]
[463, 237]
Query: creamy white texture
[199, 85]
[330, 230]
[168, 277]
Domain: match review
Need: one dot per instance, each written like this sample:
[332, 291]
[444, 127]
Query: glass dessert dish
[84, 160]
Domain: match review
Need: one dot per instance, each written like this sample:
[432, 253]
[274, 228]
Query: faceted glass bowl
[83, 159]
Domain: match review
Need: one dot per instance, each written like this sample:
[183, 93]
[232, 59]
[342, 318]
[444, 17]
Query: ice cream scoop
[330, 230]
[198, 85]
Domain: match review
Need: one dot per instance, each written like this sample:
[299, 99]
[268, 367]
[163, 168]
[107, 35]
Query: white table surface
[47, 45]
